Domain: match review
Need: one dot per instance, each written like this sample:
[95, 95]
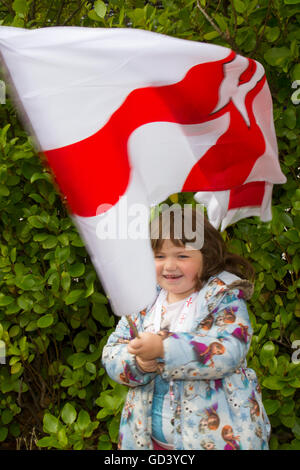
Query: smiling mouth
[171, 276]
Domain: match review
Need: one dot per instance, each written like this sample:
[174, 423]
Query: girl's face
[228, 433]
[177, 270]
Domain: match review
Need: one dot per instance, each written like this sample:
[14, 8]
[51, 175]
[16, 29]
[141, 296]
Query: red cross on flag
[126, 118]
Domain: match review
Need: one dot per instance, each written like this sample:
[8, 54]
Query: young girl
[189, 386]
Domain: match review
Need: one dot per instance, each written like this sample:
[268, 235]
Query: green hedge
[54, 316]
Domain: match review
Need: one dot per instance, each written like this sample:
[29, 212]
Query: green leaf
[83, 420]
[12, 308]
[296, 428]
[14, 331]
[47, 441]
[38, 176]
[90, 367]
[62, 437]
[67, 382]
[20, 7]
[289, 118]
[5, 300]
[296, 72]
[271, 406]
[78, 445]
[45, 321]
[81, 341]
[68, 414]
[15, 368]
[74, 296]
[266, 353]
[211, 35]
[3, 433]
[272, 33]
[100, 8]
[77, 269]
[288, 421]
[77, 360]
[239, 6]
[25, 302]
[36, 221]
[104, 446]
[262, 332]
[92, 15]
[270, 283]
[14, 429]
[100, 313]
[32, 326]
[4, 191]
[63, 239]
[65, 280]
[295, 382]
[273, 382]
[53, 281]
[50, 423]
[292, 235]
[99, 298]
[221, 21]
[6, 416]
[287, 408]
[113, 428]
[277, 55]
[13, 255]
[278, 300]
[62, 254]
[50, 242]
[26, 282]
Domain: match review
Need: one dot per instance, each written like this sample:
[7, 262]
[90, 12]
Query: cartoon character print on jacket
[214, 293]
[208, 444]
[243, 374]
[207, 322]
[226, 317]
[230, 439]
[129, 406]
[205, 353]
[210, 419]
[235, 401]
[241, 333]
[126, 376]
[254, 407]
[140, 435]
[207, 390]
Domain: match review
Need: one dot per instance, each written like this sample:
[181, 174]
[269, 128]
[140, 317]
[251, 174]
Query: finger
[134, 349]
[136, 343]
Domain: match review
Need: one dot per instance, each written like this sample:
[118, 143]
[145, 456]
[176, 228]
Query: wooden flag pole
[132, 326]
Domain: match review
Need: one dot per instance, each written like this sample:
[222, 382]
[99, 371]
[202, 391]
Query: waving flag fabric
[129, 117]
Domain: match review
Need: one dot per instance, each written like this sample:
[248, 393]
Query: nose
[170, 264]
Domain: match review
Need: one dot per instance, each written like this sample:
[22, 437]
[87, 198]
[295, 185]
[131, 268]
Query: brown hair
[216, 257]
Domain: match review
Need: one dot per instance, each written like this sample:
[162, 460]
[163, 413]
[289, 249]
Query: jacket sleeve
[118, 362]
[216, 349]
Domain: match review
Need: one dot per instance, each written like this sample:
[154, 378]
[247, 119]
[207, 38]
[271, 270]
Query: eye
[159, 256]
[183, 256]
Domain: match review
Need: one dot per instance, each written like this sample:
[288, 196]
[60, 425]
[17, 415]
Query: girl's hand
[147, 366]
[148, 346]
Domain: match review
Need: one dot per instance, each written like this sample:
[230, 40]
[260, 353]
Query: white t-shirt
[176, 316]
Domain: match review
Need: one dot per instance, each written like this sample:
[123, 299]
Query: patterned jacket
[217, 399]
